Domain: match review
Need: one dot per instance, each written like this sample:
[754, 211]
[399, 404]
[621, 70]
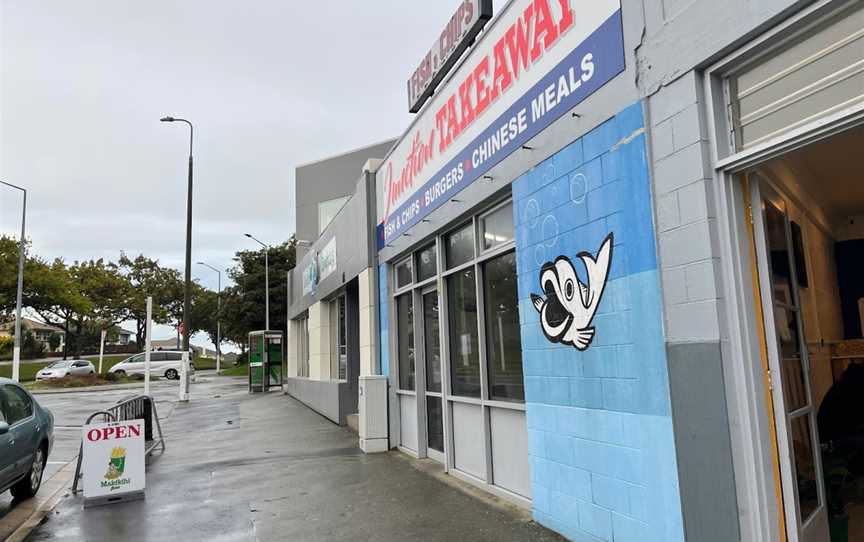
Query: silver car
[69, 367]
[162, 363]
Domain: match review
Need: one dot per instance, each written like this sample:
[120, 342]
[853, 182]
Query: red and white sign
[113, 461]
[457, 36]
[526, 41]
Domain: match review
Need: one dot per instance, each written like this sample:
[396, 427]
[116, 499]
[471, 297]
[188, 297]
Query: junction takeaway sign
[537, 60]
[457, 36]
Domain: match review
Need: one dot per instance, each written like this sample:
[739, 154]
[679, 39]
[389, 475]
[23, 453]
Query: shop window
[327, 211]
[497, 227]
[405, 339]
[460, 246]
[464, 351]
[303, 348]
[427, 264]
[435, 418]
[503, 339]
[404, 273]
[339, 337]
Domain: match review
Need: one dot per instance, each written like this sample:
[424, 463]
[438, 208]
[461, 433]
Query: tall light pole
[187, 287]
[16, 350]
[266, 281]
[219, 314]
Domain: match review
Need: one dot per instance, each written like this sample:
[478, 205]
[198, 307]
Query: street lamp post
[16, 349]
[219, 314]
[266, 281]
[187, 287]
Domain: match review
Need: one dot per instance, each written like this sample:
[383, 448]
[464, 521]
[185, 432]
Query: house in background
[119, 337]
[41, 331]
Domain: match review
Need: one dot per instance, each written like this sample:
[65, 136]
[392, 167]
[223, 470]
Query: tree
[249, 298]
[147, 278]
[58, 298]
[204, 313]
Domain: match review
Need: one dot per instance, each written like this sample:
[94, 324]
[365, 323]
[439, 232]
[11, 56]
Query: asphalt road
[241, 467]
[70, 412]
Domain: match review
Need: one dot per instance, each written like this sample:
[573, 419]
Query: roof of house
[29, 323]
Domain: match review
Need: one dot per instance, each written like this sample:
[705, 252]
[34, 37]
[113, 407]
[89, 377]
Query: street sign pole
[101, 348]
[147, 348]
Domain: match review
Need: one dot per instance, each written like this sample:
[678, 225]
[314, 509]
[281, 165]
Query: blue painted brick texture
[600, 446]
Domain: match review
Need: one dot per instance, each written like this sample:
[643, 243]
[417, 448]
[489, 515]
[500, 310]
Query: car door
[79, 368]
[7, 464]
[22, 427]
[157, 362]
[135, 365]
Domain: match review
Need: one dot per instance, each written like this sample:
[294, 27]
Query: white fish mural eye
[569, 305]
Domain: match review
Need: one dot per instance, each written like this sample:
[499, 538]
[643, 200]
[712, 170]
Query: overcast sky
[269, 84]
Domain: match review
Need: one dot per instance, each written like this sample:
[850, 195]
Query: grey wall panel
[469, 450]
[702, 442]
[322, 396]
[353, 250]
[510, 451]
[327, 179]
[408, 421]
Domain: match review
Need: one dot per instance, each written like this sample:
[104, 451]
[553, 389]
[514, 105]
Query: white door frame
[747, 402]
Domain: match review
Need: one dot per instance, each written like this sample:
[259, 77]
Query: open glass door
[800, 462]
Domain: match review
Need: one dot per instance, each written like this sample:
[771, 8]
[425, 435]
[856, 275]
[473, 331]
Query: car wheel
[92, 372]
[29, 485]
[120, 372]
[171, 374]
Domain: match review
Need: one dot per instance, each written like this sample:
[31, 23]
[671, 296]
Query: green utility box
[266, 353]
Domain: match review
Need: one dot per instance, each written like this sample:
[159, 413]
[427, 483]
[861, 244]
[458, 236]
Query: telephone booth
[266, 353]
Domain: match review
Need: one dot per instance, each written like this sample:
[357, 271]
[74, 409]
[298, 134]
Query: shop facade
[578, 300]
[611, 272]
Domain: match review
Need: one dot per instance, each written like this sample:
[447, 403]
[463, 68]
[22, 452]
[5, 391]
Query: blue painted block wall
[383, 319]
[601, 446]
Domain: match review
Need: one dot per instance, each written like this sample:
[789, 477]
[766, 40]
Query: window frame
[416, 288]
[5, 404]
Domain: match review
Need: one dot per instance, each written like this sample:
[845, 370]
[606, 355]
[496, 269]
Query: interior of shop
[813, 211]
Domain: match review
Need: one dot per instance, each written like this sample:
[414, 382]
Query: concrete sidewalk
[241, 467]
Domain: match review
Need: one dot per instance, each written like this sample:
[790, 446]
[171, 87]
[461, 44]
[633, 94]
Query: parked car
[26, 439]
[69, 367]
[162, 363]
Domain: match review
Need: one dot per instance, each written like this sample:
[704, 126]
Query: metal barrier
[135, 407]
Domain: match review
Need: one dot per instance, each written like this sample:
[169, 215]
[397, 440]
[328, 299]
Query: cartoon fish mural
[567, 310]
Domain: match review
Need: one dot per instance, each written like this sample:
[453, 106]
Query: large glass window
[339, 338]
[435, 423]
[327, 211]
[432, 341]
[460, 246]
[403, 273]
[464, 350]
[497, 226]
[302, 347]
[427, 264]
[503, 340]
[405, 338]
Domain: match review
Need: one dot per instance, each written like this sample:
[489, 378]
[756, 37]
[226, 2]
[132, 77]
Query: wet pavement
[70, 411]
[241, 467]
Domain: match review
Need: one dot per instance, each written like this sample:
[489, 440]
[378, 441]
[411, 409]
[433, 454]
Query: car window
[175, 356]
[79, 364]
[157, 356]
[16, 404]
[58, 365]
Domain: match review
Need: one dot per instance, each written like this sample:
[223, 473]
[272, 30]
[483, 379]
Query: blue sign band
[563, 88]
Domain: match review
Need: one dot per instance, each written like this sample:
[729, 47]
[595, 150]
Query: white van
[162, 363]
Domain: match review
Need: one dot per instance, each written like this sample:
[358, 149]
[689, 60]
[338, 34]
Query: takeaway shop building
[618, 261]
